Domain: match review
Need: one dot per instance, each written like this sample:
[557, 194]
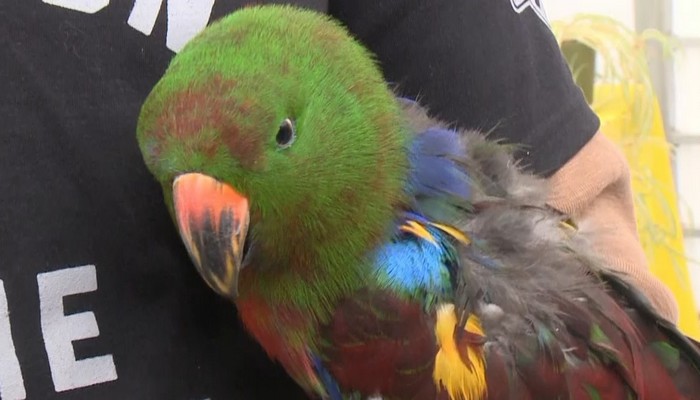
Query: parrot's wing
[485, 292]
[531, 303]
[556, 324]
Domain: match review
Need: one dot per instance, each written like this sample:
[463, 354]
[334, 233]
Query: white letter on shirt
[144, 14]
[11, 382]
[186, 18]
[86, 6]
[60, 329]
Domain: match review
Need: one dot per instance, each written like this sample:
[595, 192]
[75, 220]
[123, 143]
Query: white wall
[685, 122]
[692, 246]
[685, 17]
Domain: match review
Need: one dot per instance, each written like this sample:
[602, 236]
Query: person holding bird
[374, 251]
[100, 296]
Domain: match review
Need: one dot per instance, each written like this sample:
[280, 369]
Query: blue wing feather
[418, 265]
[440, 189]
[439, 185]
[415, 264]
[326, 379]
[434, 171]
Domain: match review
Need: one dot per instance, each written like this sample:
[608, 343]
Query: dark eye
[286, 134]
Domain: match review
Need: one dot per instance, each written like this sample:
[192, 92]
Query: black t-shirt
[98, 299]
[492, 65]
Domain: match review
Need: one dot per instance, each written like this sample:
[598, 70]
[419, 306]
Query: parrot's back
[486, 293]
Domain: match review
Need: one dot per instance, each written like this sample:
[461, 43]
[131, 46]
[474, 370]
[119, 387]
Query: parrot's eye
[286, 134]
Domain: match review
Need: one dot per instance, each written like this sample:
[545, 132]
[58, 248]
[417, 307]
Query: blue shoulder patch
[419, 258]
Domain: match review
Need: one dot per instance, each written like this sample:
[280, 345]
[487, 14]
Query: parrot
[375, 251]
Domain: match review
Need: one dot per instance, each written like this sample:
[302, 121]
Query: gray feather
[520, 234]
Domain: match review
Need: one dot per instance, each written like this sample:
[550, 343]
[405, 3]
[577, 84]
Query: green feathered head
[281, 153]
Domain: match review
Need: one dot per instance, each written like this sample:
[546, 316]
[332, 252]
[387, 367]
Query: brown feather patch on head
[207, 105]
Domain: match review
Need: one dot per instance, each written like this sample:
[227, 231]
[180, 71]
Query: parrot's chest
[283, 332]
[373, 343]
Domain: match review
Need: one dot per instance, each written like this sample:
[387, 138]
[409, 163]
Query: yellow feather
[461, 382]
[455, 233]
[569, 227]
[418, 230]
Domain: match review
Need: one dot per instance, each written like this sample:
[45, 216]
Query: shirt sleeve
[491, 65]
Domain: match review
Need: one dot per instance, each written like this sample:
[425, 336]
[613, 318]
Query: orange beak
[212, 219]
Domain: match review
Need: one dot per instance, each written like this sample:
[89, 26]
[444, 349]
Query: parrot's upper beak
[213, 221]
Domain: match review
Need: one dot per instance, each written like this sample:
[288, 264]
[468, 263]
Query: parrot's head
[281, 152]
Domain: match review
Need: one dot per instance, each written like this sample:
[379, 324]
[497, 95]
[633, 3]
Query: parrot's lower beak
[213, 220]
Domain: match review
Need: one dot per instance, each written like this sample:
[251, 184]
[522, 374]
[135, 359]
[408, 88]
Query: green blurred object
[581, 60]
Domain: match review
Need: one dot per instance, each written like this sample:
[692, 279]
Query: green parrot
[375, 252]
